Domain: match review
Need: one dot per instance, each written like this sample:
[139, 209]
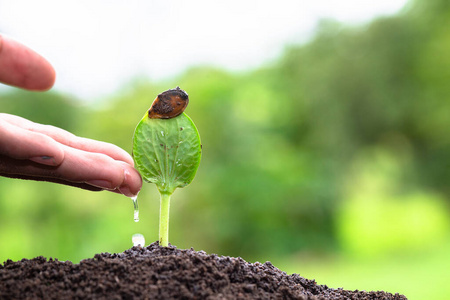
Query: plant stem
[164, 220]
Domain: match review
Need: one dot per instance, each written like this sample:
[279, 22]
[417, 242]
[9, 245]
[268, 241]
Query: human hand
[41, 152]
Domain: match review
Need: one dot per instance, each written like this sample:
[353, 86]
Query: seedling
[167, 150]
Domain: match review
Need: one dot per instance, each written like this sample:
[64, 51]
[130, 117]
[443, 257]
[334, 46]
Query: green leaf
[167, 152]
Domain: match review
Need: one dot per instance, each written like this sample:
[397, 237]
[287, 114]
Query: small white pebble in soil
[138, 240]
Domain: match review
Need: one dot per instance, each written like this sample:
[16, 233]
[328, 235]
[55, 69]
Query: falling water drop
[136, 208]
[138, 240]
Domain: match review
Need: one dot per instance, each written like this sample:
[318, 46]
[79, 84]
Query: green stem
[164, 220]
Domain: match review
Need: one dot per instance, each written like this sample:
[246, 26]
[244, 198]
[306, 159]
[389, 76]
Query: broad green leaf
[167, 152]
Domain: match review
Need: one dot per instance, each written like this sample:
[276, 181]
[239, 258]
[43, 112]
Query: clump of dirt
[156, 272]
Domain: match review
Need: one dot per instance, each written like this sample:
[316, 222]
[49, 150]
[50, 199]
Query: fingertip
[54, 153]
[54, 159]
[132, 183]
[42, 75]
[124, 156]
[23, 144]
[49, 81]
[22, 67]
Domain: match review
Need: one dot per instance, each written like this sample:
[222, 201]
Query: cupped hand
[42, 152]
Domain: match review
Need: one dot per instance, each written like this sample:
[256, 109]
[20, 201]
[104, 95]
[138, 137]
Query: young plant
[167, 150]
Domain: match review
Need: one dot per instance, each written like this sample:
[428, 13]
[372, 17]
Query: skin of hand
[42, 152]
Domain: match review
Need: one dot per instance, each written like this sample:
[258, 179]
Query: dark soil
[156, 272]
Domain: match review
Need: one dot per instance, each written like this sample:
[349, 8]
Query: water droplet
[138, 240]
[136, 208]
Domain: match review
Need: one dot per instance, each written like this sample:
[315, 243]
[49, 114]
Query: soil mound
[156, 272]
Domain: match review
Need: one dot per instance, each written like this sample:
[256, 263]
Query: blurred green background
[333, 162]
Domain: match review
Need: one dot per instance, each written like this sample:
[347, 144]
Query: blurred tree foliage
[284, 147]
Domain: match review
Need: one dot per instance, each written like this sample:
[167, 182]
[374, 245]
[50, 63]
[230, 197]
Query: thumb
[19, 143]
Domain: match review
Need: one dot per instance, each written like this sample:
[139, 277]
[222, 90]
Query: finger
[98, 170]
[71, 140]
[19, 143]
[94, 146]
[22, 67]
[85, 144]
[132, 182]
[127, 180]
[81, 185]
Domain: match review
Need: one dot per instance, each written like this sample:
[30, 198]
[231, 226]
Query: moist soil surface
[156, 272]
